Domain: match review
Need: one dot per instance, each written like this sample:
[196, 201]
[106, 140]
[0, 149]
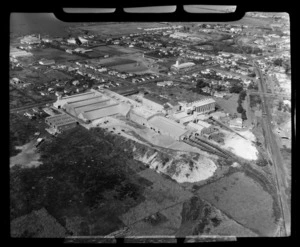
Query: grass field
[229, 105]
[243, 199]
[130, 67]
[115, 61]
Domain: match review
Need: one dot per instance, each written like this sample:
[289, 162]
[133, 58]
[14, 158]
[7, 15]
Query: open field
[57, 55]
[127, 50]
[229, 105]
[243, 199]
[130, 68]
[113, 61]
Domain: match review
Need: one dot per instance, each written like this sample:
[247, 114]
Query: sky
[157, 9]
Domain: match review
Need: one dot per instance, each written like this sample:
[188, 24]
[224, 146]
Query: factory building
[93, 105]
[205, 105]
[141, 115]
[104, 111]
[236, 123]
[201, 127]
[168, 127]
[61, 122]
[46, 62]
[181, 66]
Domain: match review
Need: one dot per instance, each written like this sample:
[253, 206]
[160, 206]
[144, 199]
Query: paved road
[279, 171]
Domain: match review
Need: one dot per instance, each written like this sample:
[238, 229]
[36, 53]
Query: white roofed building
[168, 127]
[178, 66]
[200, 106]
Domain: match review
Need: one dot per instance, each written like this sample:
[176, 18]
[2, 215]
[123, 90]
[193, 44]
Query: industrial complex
[94, 105]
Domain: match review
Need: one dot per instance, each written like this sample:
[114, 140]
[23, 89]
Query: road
[278, 168]
[23, 108]
[270, 94]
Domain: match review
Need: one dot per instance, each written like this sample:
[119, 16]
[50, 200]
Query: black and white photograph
[151, 130]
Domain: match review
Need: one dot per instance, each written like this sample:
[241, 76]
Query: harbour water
[42, 23]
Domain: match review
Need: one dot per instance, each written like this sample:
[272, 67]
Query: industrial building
[61, 122]
[141, 115]
[183, 118]
[236, 123]
[201, 106]
[168, 127]
[201, 127]
[178, 66]
[93, 105]
[46, 62]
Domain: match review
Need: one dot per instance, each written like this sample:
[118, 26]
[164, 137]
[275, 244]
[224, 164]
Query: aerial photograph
[150, 129]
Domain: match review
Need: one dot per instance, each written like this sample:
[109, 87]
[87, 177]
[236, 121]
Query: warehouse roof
[196, 127]
[200, 102]
[179, 115]
[100, 112]
[61, 119]
[204, 124]
[167, 125]
[183, 65]
[88, 105]
[141, 111]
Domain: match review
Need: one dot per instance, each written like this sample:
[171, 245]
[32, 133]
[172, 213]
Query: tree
[278, 62]
[236, 88]
[280, 104]
[240, 109]
[244, 117]
[242, 95]
[201, 84]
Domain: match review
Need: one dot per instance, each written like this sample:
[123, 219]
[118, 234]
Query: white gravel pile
[201, 170]
[241, 147]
